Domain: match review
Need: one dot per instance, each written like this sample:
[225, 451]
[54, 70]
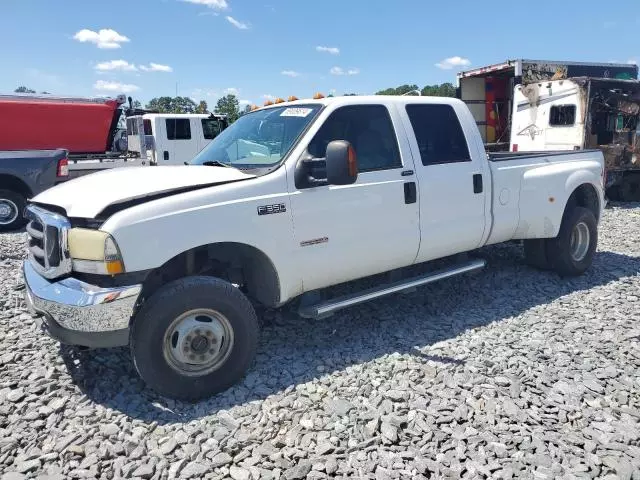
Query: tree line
[230, 105]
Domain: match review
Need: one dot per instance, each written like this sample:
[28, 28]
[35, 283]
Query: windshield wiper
[215, 163]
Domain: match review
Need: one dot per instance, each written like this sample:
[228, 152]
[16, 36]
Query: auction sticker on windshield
[296, 112]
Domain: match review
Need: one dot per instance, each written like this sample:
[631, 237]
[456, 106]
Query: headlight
[94, 251]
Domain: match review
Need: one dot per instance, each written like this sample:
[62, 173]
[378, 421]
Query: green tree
[172, 105]
[23, 89]
[137, 104]
[443, 90]
[202, 107]
[401, 90]
[229, 106]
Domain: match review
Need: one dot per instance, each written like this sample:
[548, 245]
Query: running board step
[327, 308]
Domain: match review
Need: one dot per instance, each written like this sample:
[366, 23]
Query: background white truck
[173, 138]
[544, 105]
[174, 261]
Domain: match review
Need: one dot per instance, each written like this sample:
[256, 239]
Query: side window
[369, 130]
[210, 128]
[562, 115]
[178, 129]
[438, 133]
[147, 127]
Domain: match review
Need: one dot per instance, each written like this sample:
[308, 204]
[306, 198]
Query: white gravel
[507, 373]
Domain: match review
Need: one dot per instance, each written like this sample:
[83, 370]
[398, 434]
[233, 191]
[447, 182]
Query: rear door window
[178, 129]
[438, 133]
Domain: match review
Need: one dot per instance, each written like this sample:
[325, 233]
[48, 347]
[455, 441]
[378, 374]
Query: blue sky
[262, 48]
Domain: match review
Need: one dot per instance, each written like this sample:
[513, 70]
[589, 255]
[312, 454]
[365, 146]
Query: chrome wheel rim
[8, 211]
[198, 342]
[580, 239]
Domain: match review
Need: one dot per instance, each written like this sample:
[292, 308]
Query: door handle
[477, 183]
[410, 192]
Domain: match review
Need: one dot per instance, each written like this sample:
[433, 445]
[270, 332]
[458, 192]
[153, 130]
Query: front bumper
[77, 313]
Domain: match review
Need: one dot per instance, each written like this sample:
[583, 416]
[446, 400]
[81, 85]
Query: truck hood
[89, 195]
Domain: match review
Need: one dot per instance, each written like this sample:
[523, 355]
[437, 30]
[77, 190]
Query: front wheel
[571, 252]
[194, 337]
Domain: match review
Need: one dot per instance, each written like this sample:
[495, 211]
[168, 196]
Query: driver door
[351, 231]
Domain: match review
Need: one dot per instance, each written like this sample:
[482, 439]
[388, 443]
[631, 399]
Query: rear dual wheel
[571, 252]
[193, 338]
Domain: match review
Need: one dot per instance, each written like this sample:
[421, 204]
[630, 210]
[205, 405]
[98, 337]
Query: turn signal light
[279, 100]
[318, 96]
[352, 161]
[293, 98]
[267, 103]
[254, 107]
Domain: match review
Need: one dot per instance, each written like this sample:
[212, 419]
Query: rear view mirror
[342, 165]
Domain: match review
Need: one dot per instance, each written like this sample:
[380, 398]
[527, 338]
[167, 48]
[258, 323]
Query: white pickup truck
[289, 200]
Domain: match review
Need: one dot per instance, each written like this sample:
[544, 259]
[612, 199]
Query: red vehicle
[83, 126]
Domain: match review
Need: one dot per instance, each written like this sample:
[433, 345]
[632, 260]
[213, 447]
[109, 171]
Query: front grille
[47, 242]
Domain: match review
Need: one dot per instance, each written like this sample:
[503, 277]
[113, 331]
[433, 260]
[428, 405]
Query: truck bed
[527, 187]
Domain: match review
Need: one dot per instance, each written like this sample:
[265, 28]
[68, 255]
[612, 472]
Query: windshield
[259, 139]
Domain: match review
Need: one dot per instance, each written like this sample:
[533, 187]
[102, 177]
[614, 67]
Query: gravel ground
[506, 373]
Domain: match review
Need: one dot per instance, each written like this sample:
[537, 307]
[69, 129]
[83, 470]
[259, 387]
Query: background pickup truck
[23, 174]
[287, 202]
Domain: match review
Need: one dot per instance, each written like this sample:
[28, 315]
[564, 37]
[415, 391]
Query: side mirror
[342, 165]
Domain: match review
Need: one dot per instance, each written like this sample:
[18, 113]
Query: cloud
[113, 65]
[236, 23]
[245, 102]
[632, 61]
[156, 67]
[341, 71]
[268, 96]
[231, 91]
[216, 4]
[451, 62]
[331, 50]
[208, 13]
[104, 38]
[290, 73]
[115, 86]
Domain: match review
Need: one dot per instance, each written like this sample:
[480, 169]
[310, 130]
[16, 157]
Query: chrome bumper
[79, 312]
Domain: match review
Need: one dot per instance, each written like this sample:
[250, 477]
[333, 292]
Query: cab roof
[363, 99]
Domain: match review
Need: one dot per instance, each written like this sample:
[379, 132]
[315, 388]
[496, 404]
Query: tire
[12, 210]
[181, 307]
[535, 253]
[564, 257]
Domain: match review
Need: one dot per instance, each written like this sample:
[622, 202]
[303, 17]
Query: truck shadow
[294, 351]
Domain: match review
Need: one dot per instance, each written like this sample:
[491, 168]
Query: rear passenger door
[182, 146]
[452, 181]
